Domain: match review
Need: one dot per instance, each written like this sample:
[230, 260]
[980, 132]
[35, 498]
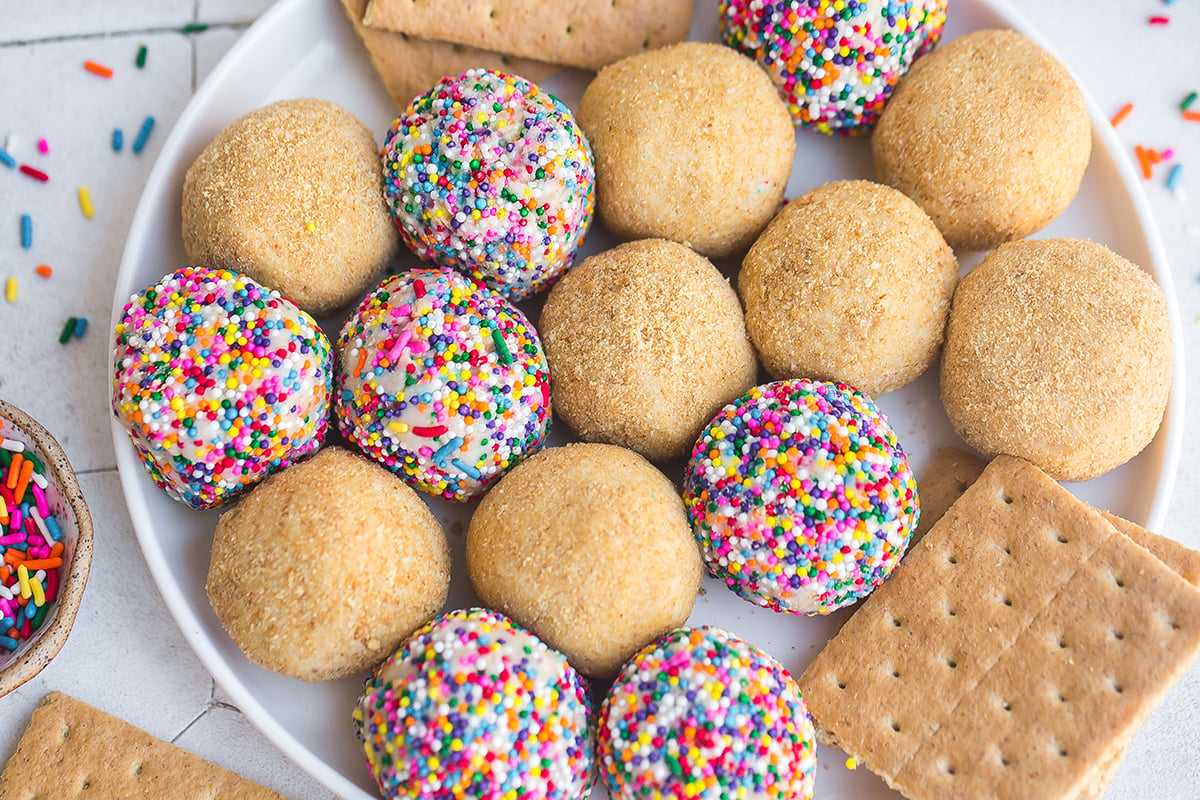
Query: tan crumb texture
[646, 343]
[851, 282]
[1058, 351]
[291, 194]
[71, 749]
[1013, 652]
[953, 471]
[989, 134]
[321, 571]
[577, 33]
[691, 144]
[589, 547]
[409, 65]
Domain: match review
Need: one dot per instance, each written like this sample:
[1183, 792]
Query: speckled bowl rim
[51, 638]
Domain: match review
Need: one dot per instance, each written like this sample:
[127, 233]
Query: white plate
[306, 48]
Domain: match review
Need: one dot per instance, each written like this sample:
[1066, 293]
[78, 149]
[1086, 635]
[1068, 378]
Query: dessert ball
[801, 497]
[442, 381]
[472, 705]
[851, 282]
[1058, 351]
[219, 382]
[990, 135]
[835, 63]
[291, 195]
[272, 583]
[646, 342]
[490, 175]
[702, 713]
[692, 144]
[589, 546]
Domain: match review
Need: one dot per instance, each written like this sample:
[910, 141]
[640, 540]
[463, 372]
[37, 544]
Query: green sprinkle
[67, 331]
[141, 57]
[1187, 102]
[195, 27]
[501, 347]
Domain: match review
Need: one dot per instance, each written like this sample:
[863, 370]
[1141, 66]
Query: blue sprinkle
[52, 525]
[26, 231]
[449, 447]
[143, 135]
[80, 327]
[1173, 176]
[7, 623]
[7, 160]
[465, 467]
[8, 643]
[118, 140]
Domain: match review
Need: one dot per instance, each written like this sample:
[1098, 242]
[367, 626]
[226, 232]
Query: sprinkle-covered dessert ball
[801, 496]
[692, 144]
[273, 586]
[990, 135]
[836, 62]
[291, 195]
[473, 705]
[490, 175]
[1058, 351]
[220, 382]
[443, 381]
[703, 714]
[850, 282]
[589, 546]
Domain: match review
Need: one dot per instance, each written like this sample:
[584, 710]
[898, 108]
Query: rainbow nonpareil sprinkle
[835, 62]
[801, 497]
[219, 382]
[701, 713]
[474, 706]
[32, 547]
[490, 175]
[443, 381]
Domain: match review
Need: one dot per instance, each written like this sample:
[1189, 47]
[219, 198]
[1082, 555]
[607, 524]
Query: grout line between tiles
[75, 37]
[95, 470]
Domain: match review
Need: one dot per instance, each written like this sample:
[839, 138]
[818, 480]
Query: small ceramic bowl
[69, 509]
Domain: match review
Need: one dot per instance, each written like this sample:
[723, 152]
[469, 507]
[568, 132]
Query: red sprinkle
[419, 289]
[1160, 20]
[429, 431]
[98, 69]
[34, 173]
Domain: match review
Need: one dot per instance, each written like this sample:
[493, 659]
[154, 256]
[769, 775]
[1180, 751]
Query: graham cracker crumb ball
[989, 134]
[589, 546]
[1058, 351]
[646, 342]
[325, 568]
[692, 144]
[291, 195]
[850, 282]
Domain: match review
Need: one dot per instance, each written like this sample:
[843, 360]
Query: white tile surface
[126, 656]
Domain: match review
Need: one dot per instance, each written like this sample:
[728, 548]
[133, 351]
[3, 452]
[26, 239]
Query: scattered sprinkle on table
[26, 231]
[851, 764]
[34, 173]
[143, 134]
[44, 270]
[1173, 177]
[10, 142]
[10, 290]
[1187, 101]
[1148, 157]
[43, 147]
[32, 545]
[1192, 116]
[140, 61]
[68, 330]
[1159, 20]
[195, 27]
[1122, 114]
[80, 327]
[98, 69]
[7, 160]
[118, 140]
[85, 202]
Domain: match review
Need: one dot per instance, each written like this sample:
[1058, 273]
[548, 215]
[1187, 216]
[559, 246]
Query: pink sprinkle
[43, 146]
[1160, 20]
[16, 520]
[42, 506]
[12, 538]
[1167, 154]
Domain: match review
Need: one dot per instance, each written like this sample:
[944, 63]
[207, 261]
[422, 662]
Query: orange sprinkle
[4, 573]
[56, 550]
[43, 563]
[44, 271]
[14, 471]
[1193, 116]
[13, 557]
[362, 362]
[97, 69]
[1144, 160]
[23, 480]
[1122, 114]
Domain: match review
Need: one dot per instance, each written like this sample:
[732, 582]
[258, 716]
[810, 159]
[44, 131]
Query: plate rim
[129, 468]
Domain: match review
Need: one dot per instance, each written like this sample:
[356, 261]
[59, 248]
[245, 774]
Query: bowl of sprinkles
[45, 543]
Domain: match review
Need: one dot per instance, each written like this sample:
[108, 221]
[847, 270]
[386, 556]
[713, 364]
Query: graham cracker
[1013, 652]
[72, 749]
[410, 66]
[954, 470]
[578, 33]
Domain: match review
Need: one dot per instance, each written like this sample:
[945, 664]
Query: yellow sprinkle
[23, 577]
[851, 764]
[310, 227]
[10, 290]
[39, 594]
[85, 202]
